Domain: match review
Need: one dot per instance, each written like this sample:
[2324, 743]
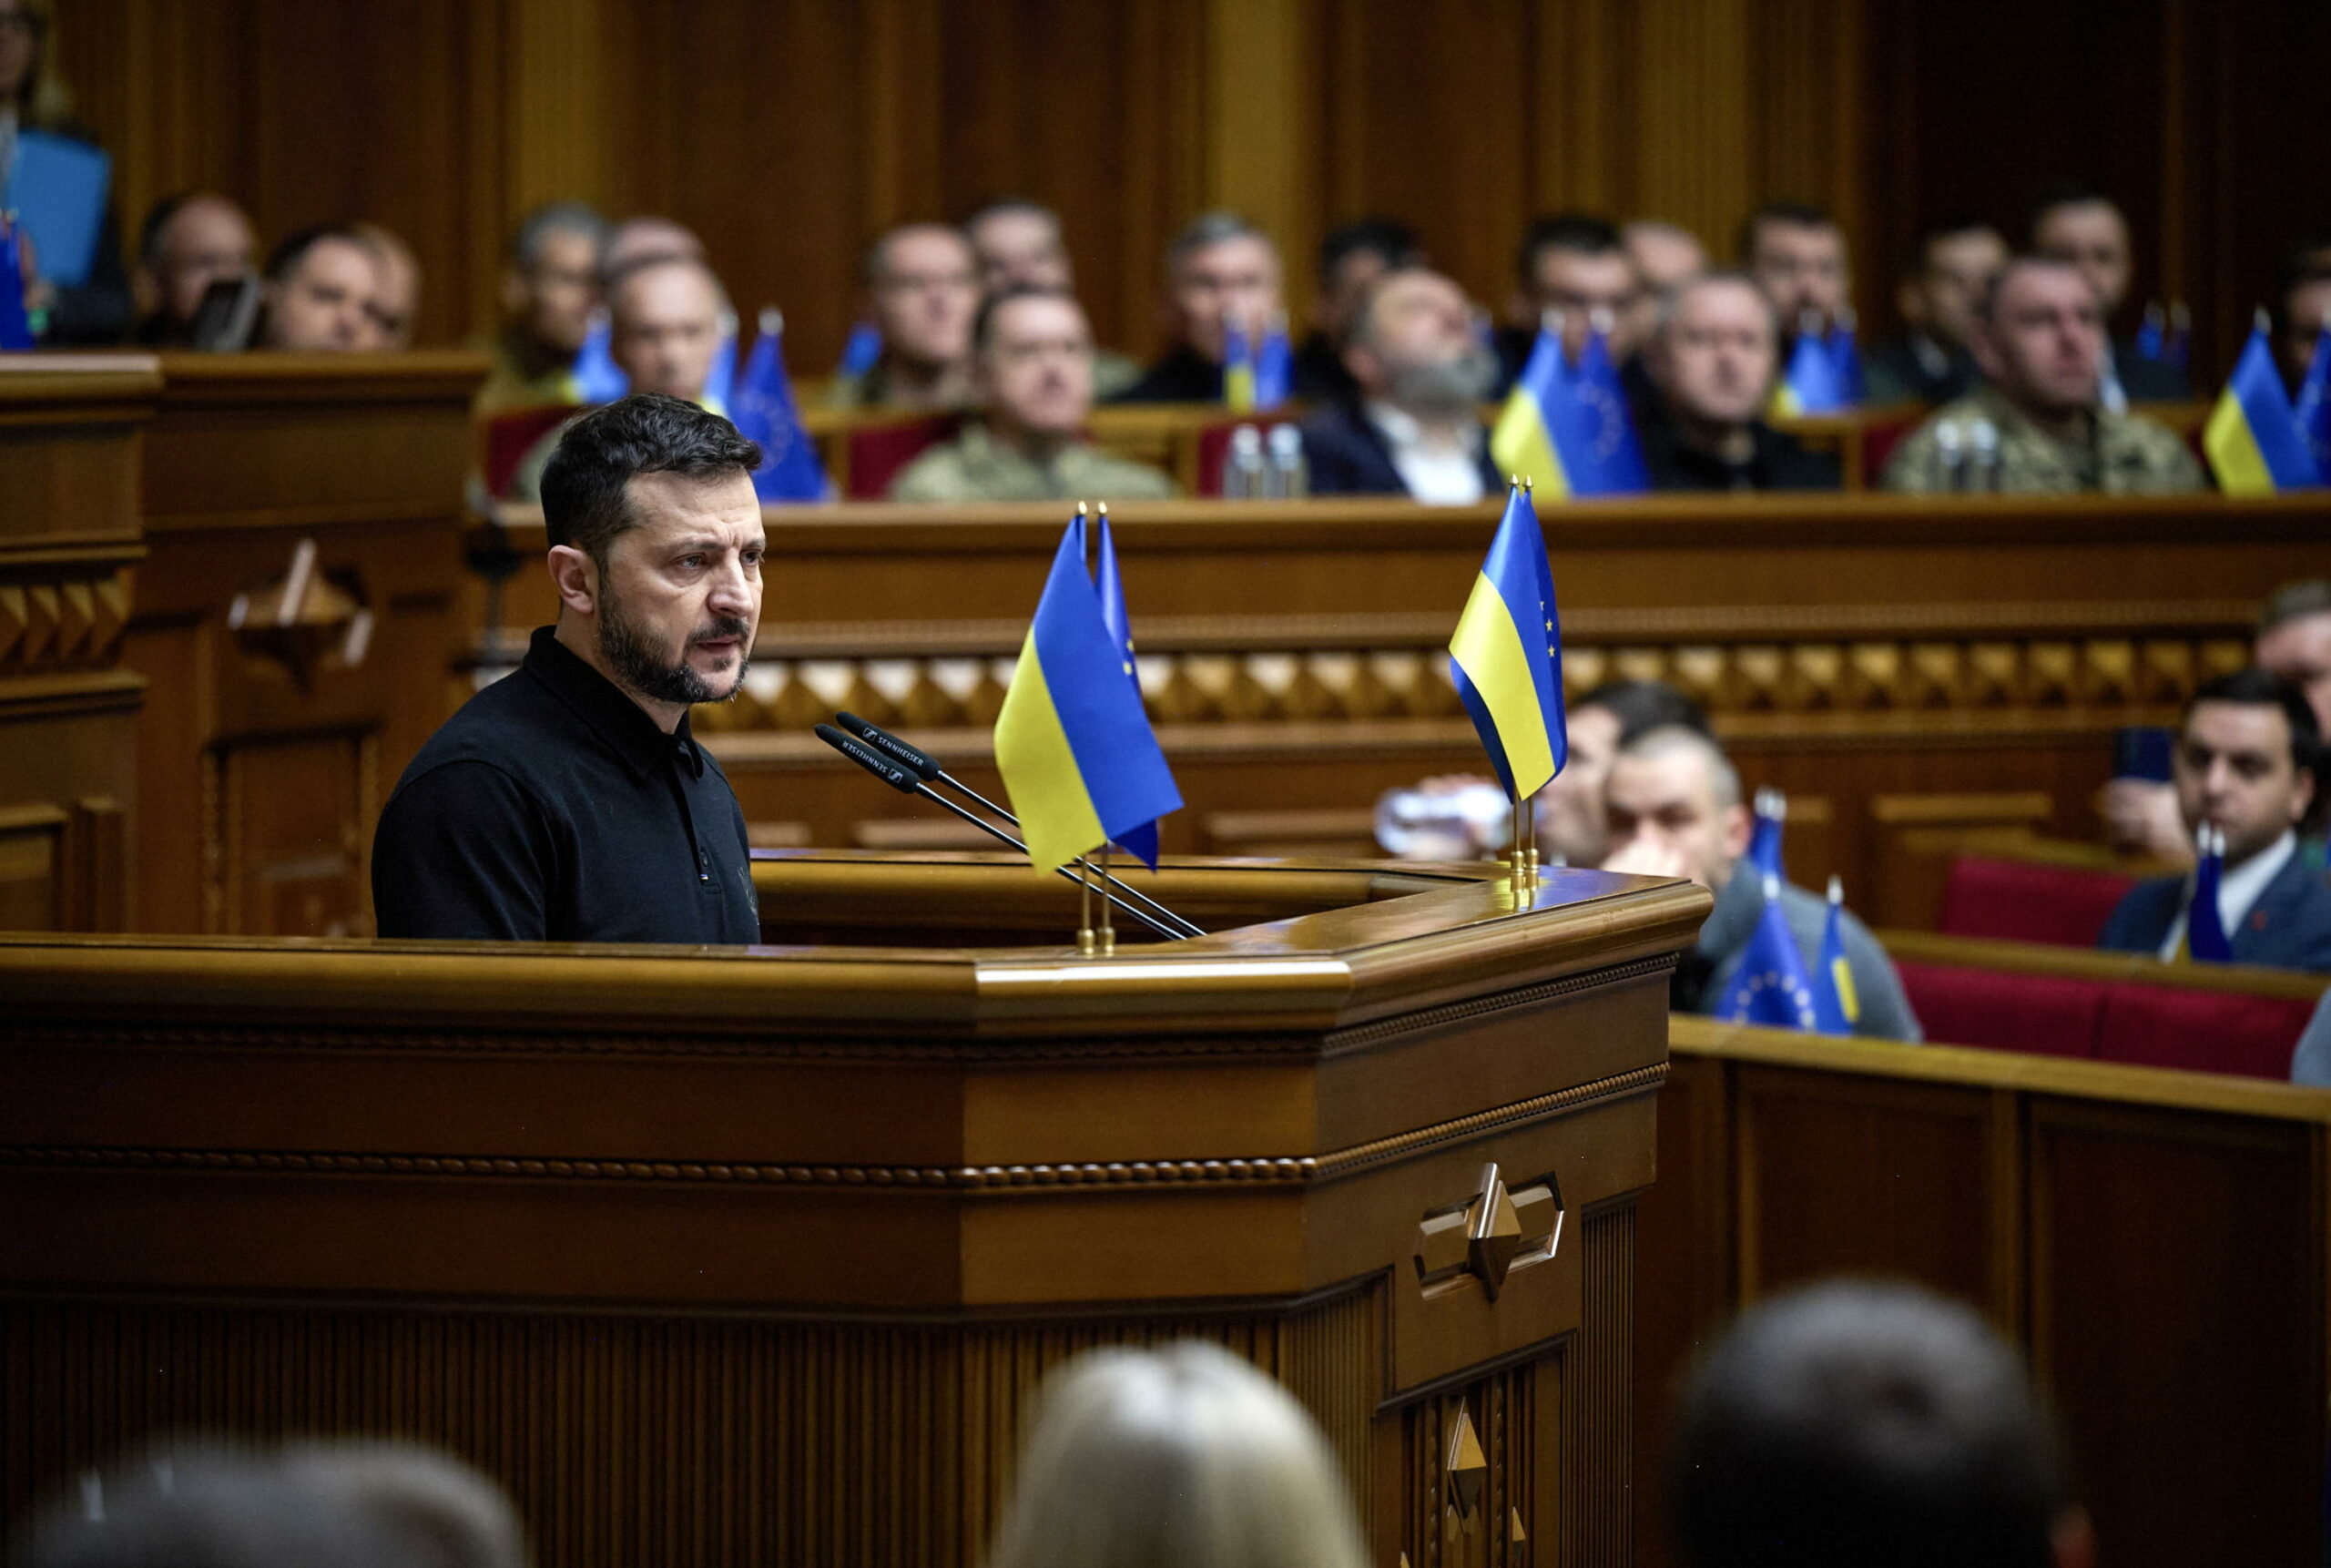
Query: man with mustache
[569, 802]
[1415, 427]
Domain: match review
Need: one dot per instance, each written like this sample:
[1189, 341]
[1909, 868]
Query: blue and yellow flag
[596, 378]
[2253, 437]
[1140, 842]
[1237, 367]
[15, 326]
[762, 407]
[2312, 408]
[1770, 987]
[861, 352]
[1837, 1007]
[1072, 742]
[1523, 441]
[1595, 435]
[1816, 379]
[1507, 655]
[1274, 364]
[1771, 813]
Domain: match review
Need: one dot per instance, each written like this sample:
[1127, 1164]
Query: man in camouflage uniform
[2035, 427]
[1032, 363]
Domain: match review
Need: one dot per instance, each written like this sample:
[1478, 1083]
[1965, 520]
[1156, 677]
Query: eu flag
[864, 348]
[1072, 742]
[1274, 364]
[1594, 431]
[1835, 1005]
[2205, 938]
[2252, 436]
[763, 409]
[1770, 986]
[596, 378]
[1523, 441]
[1765, 838]
[1141, 842]
[1506, 655]
[15, 327]
[1846, 362]
[1813, 381]
[2313, 410]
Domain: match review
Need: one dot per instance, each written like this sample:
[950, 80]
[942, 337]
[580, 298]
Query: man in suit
[1415, 429]
[1351, 258]
[2246, 766]
[1221, 271]
[2087, 229]
[1574, 265]
[1672, 806]
[1931, 362]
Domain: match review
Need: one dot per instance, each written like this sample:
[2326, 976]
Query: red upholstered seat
[877, 452]
[510, 436]
[1879, 437]
[2202, 1030]
[2027, 901]
[2047, 1014]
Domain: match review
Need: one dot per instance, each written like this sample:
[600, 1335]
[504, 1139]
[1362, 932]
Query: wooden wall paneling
[1695, 115]
[1261, 150]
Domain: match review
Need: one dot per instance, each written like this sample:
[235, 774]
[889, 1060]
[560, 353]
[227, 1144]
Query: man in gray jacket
[1674, 805]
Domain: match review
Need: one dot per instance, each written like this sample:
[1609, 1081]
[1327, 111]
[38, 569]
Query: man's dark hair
[158, 219]
[1584, 232]
[2309, 263]
[1934, 231]
[2255, 688]
[2059, 194]
[583, 505]
[983, 321]
[292, 250]
[1643, 706]
[1789, 214]
[1389, 240]
[1855, 1424]
[534, 229]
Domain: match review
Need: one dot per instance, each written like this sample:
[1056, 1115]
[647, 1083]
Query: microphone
[921, 764]
[906, 783]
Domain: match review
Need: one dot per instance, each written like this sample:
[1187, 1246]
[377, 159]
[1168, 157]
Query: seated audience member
[1714, 354]
[1185, 1456]
[394, 303]
[2302, 307]
[923, 288]
[2086, 229]
[2294, 641]
[1575, 264]
[321, 283]
[1931, 362]
[1796, 254]
[1350, 260]
[550, 288]
[1674, 807]
[315, 1506]
[1666, 256]
[2311, 1060]
[1032, 368]
[189, 242]
[1219, 269]
[664, 332]
[1856, 1423]
[636, 240]
[2039, 340]
[1415, 429]
[1020, 244]
[2244, 764]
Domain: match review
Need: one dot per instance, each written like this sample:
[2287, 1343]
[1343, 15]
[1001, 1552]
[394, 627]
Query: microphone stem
[1130, 891]
[986, 827]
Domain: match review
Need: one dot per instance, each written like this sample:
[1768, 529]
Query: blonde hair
[1181, 1457]
[44, 99]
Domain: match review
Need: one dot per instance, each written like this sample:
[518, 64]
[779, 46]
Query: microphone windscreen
[915, 761]
[875, 762]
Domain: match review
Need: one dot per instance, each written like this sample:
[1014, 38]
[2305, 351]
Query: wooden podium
[754, 1256]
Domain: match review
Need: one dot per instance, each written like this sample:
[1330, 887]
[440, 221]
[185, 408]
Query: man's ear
[2303, 793]
[1739, 827]
[576, 577]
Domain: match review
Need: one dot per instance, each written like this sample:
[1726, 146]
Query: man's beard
[1450, 387]
[638, 665]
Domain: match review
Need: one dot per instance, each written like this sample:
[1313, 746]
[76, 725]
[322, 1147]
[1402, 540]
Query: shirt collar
[619, 721]
[1402, 431]
[2239, 887]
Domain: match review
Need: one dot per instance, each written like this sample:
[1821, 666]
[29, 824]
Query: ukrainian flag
[1237, 367]
[2253, 437]
[1274, 364]
[1523, 441]
[1139, 842]
[1816, 378]
[1837, 1007]
[1507, 654]
[1073, 743]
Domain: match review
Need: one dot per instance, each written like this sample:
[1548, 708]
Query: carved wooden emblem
[1484, 1237]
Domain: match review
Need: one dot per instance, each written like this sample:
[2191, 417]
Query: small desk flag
[1770, 987]
[1523, 441]
[1506, 655]
[1595, 435]
[1835, 1005]
[2252, 436]
[1074, 747]
[1814, 380]
[1141, 841]
[1274, 364]
[16, 328]
[596, 378]
[762, 407]
[1764, 841]
[2312, 408]
[864, 348]
[1237, 367]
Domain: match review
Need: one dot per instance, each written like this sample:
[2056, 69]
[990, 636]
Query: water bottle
[1242, 469]
[1951, 450]
[1289, 478]
[1984, 444]
[1469, 823]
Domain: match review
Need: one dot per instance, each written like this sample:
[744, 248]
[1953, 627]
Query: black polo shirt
[551, 809]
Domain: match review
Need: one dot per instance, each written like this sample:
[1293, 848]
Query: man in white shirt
[1415, 427]
[2245, 767]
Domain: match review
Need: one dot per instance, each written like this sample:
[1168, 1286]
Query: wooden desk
[70, 427]
[274, 730]
[754, 1255]
[1894, 660]
[2155, 1240]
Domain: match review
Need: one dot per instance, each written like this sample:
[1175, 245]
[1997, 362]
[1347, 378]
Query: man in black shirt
[569, 802]
[1713, 357]
[1221, 273]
